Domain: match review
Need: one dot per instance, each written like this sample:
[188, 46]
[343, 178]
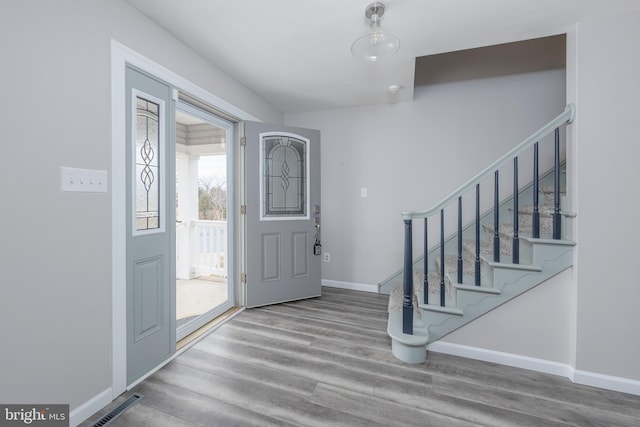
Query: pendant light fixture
[376, 44]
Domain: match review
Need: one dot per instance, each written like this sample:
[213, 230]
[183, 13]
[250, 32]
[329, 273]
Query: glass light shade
[375, 45]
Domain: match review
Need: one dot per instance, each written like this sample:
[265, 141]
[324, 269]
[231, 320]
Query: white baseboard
[607, 382]
[509, 359]
[365, 287]
[90, 407]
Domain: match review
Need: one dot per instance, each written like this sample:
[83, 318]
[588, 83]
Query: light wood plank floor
[327, 361]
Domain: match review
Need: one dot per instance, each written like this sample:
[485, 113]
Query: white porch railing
[210, 249]
[202, 248]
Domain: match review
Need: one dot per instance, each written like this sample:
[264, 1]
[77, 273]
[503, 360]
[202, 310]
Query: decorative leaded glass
[147, 188]
[284, 179]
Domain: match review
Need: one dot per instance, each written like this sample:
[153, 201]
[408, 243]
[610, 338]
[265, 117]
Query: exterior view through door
[282, 220]
[203, 289]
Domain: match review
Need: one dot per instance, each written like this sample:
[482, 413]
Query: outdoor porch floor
[197, 296]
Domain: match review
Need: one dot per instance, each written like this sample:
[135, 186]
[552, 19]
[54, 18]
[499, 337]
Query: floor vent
[117, 411]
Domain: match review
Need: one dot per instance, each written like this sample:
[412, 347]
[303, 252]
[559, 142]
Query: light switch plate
[83, 180]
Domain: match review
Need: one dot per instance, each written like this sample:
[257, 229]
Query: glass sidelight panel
[284, 176]
[147, 165]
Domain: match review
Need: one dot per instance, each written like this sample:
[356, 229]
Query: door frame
[120, 57]
[230, 130]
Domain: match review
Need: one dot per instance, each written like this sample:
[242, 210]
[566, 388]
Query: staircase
[491, 260]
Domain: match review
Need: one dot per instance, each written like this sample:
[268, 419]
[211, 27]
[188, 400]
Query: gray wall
[608, 184]
[590, 318]
[55, 268]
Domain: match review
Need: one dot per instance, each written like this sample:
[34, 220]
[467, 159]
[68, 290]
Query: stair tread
[449, 309]
[548, 240]
[434, 287]
[474, 288]
[486, 247]
[505, 262]
[545, 210]
[469, 283]
[551, 189]
[451, 264]
[505, 230]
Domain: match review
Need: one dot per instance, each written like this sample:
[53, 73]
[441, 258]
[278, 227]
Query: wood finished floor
[327, 362]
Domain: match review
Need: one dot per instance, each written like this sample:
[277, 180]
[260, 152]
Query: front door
[150, 210]
[282, 220]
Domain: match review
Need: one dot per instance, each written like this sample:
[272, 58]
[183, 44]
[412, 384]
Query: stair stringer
[511, 280]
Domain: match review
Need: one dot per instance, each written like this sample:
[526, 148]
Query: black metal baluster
[496, 219]
[477, 264]
[535, 215]
[441, 257]
[407, 282]
[460, 239]
[425, 296]
[516, 239]
[557, 232]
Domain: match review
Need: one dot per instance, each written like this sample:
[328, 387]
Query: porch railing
[210, 249]
[567, 116]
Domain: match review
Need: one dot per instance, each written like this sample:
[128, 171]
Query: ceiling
[296, 53]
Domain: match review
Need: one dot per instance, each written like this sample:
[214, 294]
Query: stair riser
[505, 276]
[525, 224]
[468, 265]
[539, 253]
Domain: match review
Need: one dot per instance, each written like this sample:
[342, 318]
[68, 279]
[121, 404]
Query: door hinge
[243, 141]
[243, 209]
[243, 277]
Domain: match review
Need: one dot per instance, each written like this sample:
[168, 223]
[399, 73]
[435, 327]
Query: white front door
[150, 223]
[282, 220]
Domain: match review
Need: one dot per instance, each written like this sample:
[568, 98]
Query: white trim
[365, 287]
[90, 407]
[120, 57]
[118, 222]
[132, 57]
[508, 359]
[593, 379]
[608, 382]
[307, 153]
